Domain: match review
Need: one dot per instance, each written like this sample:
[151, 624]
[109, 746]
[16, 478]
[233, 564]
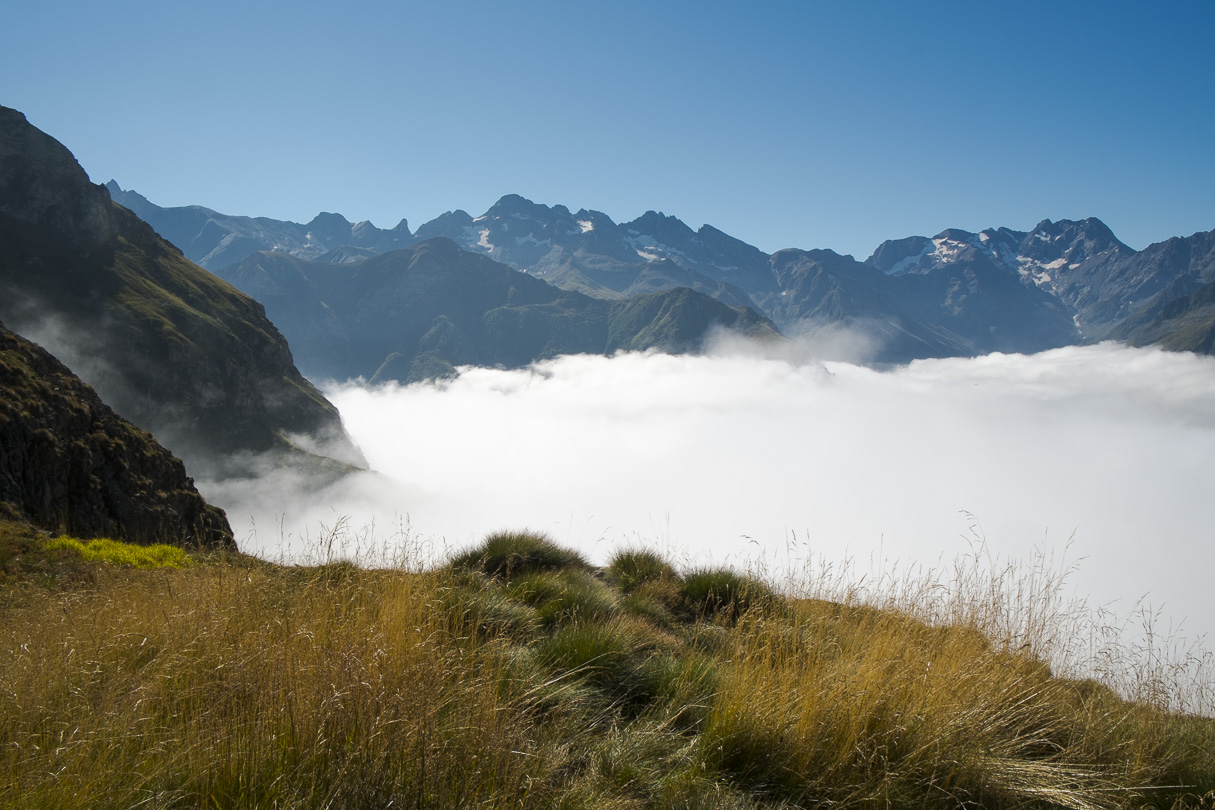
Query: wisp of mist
[1098, 455]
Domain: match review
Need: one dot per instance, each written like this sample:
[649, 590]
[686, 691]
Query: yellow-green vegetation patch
[116, 552]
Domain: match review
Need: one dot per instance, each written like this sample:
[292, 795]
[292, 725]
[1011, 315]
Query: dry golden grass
[250, 686]
[240, 684]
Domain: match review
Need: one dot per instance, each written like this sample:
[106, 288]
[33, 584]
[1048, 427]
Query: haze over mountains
[955, 294]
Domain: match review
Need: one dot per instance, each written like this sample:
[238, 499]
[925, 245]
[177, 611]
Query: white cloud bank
[740, 459]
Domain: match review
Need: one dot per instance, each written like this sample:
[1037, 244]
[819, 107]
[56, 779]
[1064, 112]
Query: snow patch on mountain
[947, 249]
[477, 239]
[651, 249]
[1038, 272]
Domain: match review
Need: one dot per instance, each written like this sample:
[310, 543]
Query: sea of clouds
[1099, 456]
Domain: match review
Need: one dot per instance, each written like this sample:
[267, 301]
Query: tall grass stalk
[252, 686]
[1027, 606]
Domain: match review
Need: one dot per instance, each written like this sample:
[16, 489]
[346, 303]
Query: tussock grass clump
[508, 554]
[490, 612]
[631, 568]
[563, 596]
[725, 592]
[510, 679]
[616, 659]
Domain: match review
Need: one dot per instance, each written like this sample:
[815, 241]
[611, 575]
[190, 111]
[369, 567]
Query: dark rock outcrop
[68, 463]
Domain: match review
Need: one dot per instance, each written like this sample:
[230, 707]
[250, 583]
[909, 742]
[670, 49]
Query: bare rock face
[68, 463]
[44, 186]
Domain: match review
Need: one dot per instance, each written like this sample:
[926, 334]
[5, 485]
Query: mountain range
[192, 357]
[954, 294]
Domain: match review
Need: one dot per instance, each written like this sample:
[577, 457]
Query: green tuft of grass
[564, 596]
[724, 592]
[116, 552]
[631, 568]
[507, 554]
[612, 656]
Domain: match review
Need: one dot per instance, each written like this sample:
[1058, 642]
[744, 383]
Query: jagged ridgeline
[166, 344]
[955, 294]
[70, 464]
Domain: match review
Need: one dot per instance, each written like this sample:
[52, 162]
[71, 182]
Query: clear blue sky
[806, 124]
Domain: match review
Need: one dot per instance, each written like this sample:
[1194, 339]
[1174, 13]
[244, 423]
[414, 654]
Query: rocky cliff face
[166, 344]
[68, 463]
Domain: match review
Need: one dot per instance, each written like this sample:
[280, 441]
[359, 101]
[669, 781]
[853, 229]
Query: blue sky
[786, 124]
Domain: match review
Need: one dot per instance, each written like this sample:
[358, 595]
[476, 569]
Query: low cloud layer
[764, 461]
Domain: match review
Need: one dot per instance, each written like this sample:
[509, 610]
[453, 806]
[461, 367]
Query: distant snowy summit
[957, 293]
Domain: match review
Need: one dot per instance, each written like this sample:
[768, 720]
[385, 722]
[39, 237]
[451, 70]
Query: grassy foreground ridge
[518, 675]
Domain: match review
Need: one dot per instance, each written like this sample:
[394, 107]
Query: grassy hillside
[520, 676]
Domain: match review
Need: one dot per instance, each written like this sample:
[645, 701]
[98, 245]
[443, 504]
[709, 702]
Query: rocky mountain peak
[1071, 240]
[450, 224]
[661, 226]
[44, 185]
[513, 207]
[895, 255]
[328, 220]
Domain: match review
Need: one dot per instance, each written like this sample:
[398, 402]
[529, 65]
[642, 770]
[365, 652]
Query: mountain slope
[1181, 317]
[166, 344]
[418, 312]
[1185, 323]
[70, 464]
[849, 309]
